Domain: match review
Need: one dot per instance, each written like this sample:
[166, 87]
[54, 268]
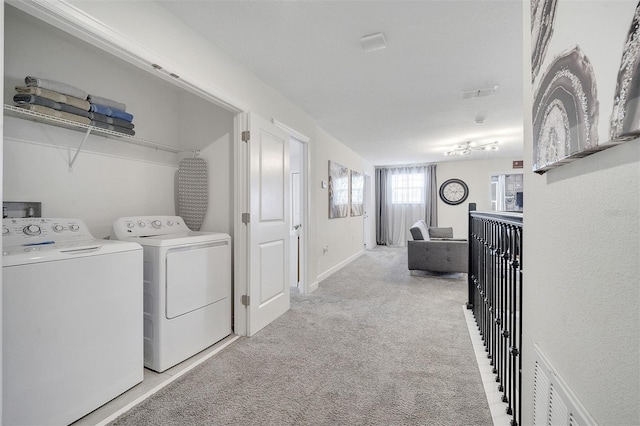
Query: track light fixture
[467, 147]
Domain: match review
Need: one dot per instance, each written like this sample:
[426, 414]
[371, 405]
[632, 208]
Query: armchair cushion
[440, 232]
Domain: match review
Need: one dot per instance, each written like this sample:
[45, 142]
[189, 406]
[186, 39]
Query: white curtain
[404, 195]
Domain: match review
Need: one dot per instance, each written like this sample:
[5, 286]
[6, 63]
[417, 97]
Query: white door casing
[267, 237]
[303, 167]
[295, 229]
[365, 213]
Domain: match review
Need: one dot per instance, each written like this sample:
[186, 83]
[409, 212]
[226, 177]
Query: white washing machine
[71, 320]
[187, 287]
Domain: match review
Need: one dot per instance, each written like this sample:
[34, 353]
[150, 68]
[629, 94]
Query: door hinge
[246, 135]
[246, 300]
[246, 218]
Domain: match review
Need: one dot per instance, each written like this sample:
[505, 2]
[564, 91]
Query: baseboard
[313, 286]
[494, 397]
[337, 267]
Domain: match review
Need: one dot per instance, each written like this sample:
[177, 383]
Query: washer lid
[50, 252]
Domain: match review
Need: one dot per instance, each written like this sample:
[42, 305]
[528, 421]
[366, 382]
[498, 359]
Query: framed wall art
[357, 193]
[586, 85]
[338, 190]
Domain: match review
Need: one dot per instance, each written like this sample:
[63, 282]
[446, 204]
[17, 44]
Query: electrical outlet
[325, 249]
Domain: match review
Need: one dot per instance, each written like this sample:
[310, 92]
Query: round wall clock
[454, 192]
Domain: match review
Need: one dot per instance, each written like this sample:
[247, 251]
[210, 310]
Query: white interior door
[365, 213]
[269, 223]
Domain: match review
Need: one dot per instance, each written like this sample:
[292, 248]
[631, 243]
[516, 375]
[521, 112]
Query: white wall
[581, 261]
[477, 175]
[94, 192]
[342, 236]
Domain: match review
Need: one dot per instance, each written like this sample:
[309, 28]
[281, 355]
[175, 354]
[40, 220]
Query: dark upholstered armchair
[435, 249]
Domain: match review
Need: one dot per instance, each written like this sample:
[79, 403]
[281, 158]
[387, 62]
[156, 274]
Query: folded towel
[112, 127]
[110, 120]
[111, 112]
[56, 86]
[37, 100]
[55, 113]
[94, 99]
[54, 96]
[32, 99]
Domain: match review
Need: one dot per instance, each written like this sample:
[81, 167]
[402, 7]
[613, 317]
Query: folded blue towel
[94, 99]
[111, 120]
[111, 112]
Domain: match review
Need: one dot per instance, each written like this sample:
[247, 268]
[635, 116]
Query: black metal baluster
[489, 292]
[513, 351]
[498, 369]
[485, 286]
[517, 326]
[494, 278]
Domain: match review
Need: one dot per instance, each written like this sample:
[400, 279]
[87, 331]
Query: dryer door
[197, 276]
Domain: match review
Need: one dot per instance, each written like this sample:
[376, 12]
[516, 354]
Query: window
[407, 188]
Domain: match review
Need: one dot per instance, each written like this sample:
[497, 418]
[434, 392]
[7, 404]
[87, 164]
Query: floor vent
[553, 402]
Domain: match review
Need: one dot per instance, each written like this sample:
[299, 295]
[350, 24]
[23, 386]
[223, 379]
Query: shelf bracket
[73, 160]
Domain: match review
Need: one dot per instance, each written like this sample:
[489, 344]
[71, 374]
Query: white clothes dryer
[71, 320]
[187, 287]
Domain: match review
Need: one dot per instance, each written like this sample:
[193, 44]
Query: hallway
[373, 345]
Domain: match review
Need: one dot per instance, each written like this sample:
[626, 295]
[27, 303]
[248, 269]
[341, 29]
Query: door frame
[305, 203]
[240, 230]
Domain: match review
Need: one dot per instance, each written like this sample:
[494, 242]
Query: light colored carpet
[373, 345]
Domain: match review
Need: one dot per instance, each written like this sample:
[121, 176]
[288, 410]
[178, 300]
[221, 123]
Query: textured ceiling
[399, 105]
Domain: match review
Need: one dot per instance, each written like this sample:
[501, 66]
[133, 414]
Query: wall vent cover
[554, 404]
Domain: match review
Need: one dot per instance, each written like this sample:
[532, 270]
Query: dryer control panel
[148, 226]
[41, 231]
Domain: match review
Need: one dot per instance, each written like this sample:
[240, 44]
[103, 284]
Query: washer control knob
[141, 224]
[130, 224]
[74, 228]
[58, 228]
[170, 222]
[156, 224]
[32, 230]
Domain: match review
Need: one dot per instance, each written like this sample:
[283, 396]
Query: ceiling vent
[373, 42]
[487, 91]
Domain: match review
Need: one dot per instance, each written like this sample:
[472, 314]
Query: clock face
[454, 191]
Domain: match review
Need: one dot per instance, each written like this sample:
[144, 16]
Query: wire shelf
[18, 112]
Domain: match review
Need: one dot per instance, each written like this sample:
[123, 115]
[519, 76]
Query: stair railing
[495, 297]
